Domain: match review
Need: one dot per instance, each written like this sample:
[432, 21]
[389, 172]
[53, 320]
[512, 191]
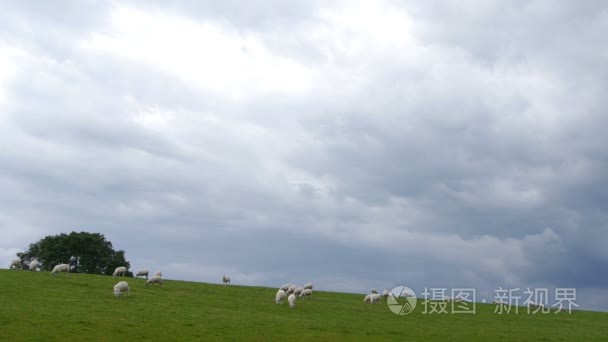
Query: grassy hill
[35, 306]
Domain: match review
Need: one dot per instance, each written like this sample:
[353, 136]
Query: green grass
[37, 307]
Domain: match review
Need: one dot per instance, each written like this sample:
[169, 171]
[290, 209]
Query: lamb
[158, 274]
[34, 265]
[292, 300]
[308, 286]
[121, 287]
[119, 271]
[385, 294]
[374, 298]
[155, 280]
[61, 268]
[142, 273]
[225, 279]
[285, 287]
[280, 296]
[306, 293]
[367, 298]
[374, 290]
[16, 263]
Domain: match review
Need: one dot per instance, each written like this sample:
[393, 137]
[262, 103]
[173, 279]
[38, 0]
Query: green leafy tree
[86, 252]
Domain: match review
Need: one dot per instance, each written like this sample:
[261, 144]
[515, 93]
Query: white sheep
[374, 298]
[367, 298]
[119, 271]
[34, 265]
[385, 294]
[16, 263]
[280, 296]
[308, 286]
[298, 291]
[285, 287]
[374, 290]
[306, 293]
[158, 274]
[142, 273]
[155, 280]
[292, 300]
[291, 289]
[121, 287]
[61, 268]
[225, 279]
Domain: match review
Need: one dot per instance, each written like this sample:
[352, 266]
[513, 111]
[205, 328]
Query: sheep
[291, 289]
[225, 279]
[34, 265]
[285, 287]
[142, 273]
[367, 298]
[280, 296]
[155, 280]
[61, 268]
[16, 263]
[374, 290]
[306, 293]
[119, 271]
[292, 300]
[158, 274]
[385, 294]
[374, 298]
[308, 286]
[498, 301]
[121, 287]
[298, 291]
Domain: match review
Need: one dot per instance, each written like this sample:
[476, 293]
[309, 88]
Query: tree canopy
[86, 252]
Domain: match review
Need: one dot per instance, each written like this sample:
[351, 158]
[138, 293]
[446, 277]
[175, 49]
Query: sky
[352, 144]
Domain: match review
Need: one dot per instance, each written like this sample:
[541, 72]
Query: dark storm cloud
[436, 144]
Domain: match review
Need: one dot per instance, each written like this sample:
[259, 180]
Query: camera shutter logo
[401, 300]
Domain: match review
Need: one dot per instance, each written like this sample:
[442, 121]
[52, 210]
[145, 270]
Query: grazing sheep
[280, 296]
[119, 271]
[374, 298]
[285, 287]
[34, 265]
[16, 263]
[298, 291]
[306, 293]
[61, 268]
[374, 290]
[385, 294]
[497, 301]
[158, 274]
[292, 300]
[308, 286]
[225, 279]
[367, 298]
[291, 289]
[121, 287]
[155, 280]
[142, 273]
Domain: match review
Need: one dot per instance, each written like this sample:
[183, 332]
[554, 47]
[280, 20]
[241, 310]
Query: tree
[85, 252]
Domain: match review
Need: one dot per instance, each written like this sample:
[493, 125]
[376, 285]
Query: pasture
[35, 306]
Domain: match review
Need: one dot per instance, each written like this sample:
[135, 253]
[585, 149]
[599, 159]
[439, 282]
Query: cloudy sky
[351, 144]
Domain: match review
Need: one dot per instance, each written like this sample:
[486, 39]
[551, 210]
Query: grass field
[35, 306]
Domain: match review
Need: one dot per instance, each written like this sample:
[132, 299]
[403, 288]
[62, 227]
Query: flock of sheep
[374, 296]
[289, 291]
[119, 288]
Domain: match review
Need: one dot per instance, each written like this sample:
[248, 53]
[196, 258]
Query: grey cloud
[471, 158]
